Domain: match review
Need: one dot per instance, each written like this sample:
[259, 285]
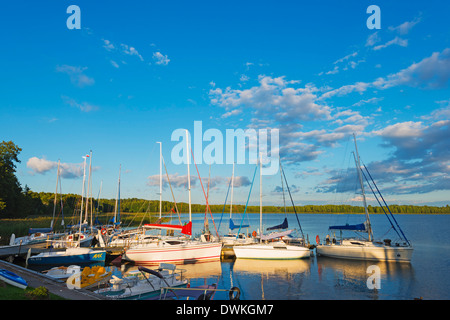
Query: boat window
[173, 242]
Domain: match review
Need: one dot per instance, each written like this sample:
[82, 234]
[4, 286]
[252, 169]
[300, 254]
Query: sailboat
[233, 238]
[38, 236]
[366, 249]
[115, 235]
[180, 250]
[277, 250]
[75, 254]
[80, 238]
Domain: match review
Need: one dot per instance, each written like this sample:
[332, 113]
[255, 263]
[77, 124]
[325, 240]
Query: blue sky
[139, 70]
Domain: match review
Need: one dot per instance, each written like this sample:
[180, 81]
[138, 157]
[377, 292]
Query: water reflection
[270, 279]
[347, 279]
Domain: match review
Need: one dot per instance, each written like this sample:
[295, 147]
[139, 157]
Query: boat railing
[205, 292]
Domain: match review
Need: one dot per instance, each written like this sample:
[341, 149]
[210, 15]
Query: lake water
[321, 278]
[324, 278]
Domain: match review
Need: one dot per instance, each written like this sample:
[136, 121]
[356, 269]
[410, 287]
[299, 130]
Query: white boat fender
[234, 293]
[12, 240]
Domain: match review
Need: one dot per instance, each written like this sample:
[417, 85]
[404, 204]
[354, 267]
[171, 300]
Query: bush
[40, 293]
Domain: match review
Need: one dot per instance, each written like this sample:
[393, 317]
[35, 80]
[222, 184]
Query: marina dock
[59, 288]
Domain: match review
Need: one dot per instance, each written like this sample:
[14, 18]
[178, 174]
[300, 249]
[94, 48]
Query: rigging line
[207, 192]
[251, 186]
[170, 185]
[293, 205]
[201, 183]
[282, 188]
[382, 208]
[393, 217]
[224, 204]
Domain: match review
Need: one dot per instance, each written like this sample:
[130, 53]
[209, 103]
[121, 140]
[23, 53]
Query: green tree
[10, 190]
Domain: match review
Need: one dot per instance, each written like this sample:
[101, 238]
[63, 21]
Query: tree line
[42, 204]
[18, 202]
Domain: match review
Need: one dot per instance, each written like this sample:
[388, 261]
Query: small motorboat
[62, 273]
[13, 279]
[149, 284]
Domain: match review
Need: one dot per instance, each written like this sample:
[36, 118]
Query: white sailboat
[278, 250]
[74, 252]
[235, 238]
[366, 249]
[41, 235]
[79, 238]
[177, 250]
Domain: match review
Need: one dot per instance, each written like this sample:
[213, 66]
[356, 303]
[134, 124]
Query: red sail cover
[186, 229]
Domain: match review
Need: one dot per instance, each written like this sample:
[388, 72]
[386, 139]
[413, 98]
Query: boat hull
[68, 257]
[271, 252]
[366, 252]
[13, 279]
[182, 253]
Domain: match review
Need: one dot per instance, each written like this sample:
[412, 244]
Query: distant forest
[42, 204]
[18, 202]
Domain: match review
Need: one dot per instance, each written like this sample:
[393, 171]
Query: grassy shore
[8, 292]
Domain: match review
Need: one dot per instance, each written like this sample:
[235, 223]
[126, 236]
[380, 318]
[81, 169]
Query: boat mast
[232, 187]
[160, 179]
[82, 192]
[117, 209]
[260, 198]
[88, 189]
[358, 169]
[56, 194]
[189, 175]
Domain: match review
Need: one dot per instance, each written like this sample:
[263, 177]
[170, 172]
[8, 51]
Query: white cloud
[371, 100]
[161, 59]
[76, 75]
[67, 170]
[83, 106]
[372, 39]
[40, 165]
[131, 51]
[407, 129]
[397, 40]
[181, 181]
[114, 64]
[344, 90]
[231, 113]
[244, 78]
[347, 57]
[405, 27]
[274, 96]
[108, 45]
[432, 72]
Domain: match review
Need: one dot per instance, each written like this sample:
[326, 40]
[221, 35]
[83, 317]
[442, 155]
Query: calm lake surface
[324, 278]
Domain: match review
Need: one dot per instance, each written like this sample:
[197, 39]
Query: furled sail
[186, 229]
[354, 227]
[284, 225]
[233, 226]
[276, 235]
